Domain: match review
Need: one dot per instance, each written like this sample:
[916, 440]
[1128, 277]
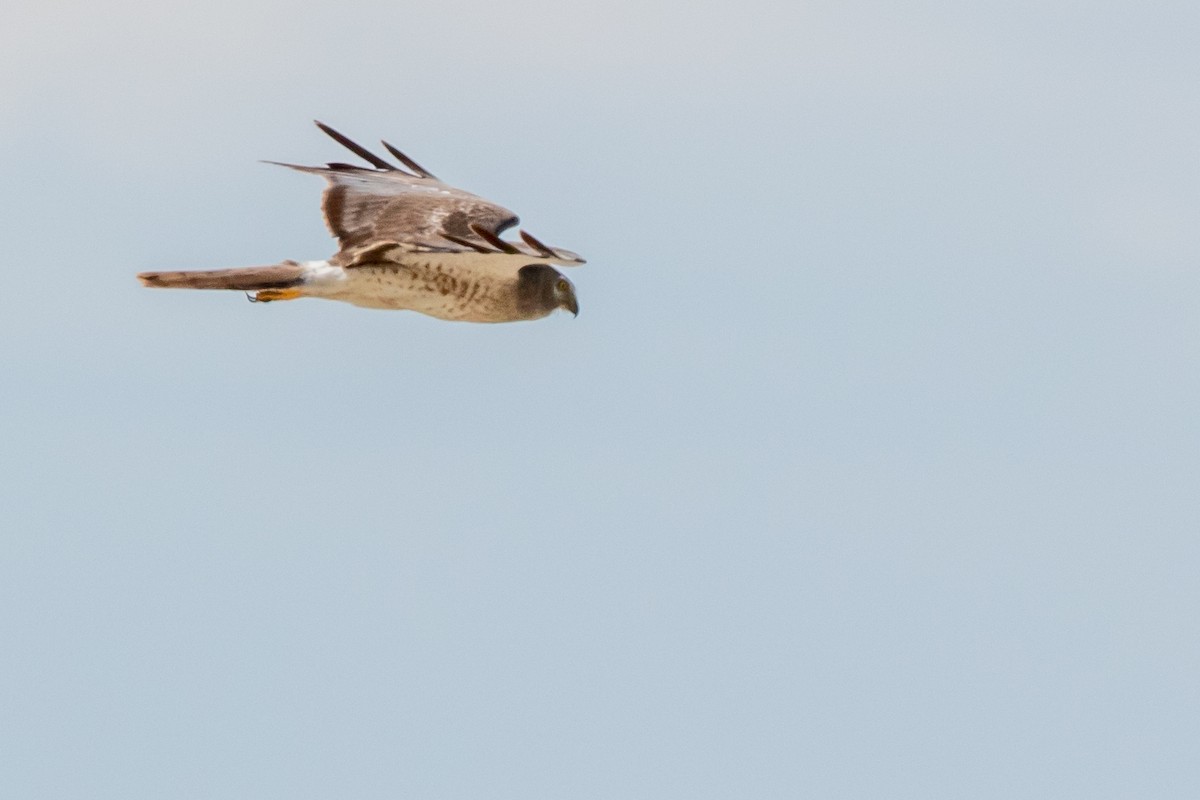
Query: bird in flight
[407, 241]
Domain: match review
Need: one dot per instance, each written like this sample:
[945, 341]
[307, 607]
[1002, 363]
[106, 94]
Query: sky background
[869, 468]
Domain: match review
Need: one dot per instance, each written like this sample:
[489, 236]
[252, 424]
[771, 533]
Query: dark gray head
[541, 289]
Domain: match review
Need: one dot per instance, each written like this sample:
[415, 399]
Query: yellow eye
[563, 286]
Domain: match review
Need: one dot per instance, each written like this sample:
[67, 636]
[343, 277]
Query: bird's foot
[270, 295]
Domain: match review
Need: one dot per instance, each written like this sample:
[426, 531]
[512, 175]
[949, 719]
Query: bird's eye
[563, 286]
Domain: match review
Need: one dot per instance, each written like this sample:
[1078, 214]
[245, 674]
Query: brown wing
[366, 208]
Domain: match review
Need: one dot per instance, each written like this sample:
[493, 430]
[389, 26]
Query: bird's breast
[439, 290]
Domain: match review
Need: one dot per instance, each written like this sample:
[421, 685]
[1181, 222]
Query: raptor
[407, 241]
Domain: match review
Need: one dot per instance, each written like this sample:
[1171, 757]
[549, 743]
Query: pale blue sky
[869, 468]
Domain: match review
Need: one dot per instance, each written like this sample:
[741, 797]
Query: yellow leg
[269, 295]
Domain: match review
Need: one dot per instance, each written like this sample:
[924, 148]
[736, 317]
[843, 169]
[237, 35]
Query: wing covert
[385, 203]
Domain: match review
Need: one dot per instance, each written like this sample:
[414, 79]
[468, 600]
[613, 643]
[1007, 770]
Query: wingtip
[354, 147]
[297, 167]
[325, 129]
[494, 240]
[420, 171]
[546, 251]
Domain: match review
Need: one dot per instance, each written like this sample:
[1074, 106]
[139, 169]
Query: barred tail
[246, 279]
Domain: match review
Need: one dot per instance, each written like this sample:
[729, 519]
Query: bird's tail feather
[246, 279]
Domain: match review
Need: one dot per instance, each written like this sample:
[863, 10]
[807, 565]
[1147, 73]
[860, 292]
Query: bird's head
[542, 288]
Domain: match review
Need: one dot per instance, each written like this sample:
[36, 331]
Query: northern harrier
[407, 241]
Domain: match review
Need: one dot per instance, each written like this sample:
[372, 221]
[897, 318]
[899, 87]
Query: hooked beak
[572, 305]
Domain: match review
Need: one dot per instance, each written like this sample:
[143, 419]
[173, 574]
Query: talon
[268, 295]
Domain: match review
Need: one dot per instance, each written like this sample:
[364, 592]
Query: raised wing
[387, 209]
